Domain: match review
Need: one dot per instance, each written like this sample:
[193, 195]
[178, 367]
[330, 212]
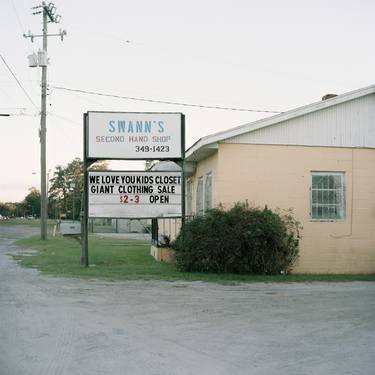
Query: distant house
[318, 159]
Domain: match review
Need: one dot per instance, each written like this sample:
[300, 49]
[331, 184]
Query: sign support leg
[85, 218]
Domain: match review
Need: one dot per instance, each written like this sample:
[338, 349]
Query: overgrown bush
[241, 240]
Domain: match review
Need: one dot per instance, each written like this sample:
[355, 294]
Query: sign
[127, 135]
[134, 194]
[68, 229]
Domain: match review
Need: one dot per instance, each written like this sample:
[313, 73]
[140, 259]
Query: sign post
[132, 194]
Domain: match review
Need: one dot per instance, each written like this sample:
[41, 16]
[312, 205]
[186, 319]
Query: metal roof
[207, 145]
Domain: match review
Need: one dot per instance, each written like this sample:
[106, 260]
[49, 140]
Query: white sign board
[134, 194]
[125, 135]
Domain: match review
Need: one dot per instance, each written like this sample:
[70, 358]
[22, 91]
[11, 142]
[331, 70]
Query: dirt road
[62, 326]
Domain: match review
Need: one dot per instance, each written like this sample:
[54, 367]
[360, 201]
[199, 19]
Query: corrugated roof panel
[350, 124]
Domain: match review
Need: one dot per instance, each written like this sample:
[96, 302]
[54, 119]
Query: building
[318, 160]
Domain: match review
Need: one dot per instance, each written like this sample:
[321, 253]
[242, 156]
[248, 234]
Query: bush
[241, 240]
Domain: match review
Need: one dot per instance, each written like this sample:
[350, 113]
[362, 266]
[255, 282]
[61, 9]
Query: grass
[130, 260]
[103, 229]
[34, 223]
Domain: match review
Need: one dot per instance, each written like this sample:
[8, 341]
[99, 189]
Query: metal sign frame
[87, 162]
[182, 135]
[138, 172]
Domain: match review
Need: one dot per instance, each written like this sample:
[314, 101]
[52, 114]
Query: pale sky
[267, 55]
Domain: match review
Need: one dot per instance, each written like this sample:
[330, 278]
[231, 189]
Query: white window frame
[189, 197]
[208, 191]
[199, 209]
[325, 192]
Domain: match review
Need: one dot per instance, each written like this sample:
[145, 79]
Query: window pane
[338, 181]
[339, 197]
[314, 182]
[331, 196]
[317, 181]
[327, 196]
[331, 182]
[314, 196]
[332, 212]
[320, 212]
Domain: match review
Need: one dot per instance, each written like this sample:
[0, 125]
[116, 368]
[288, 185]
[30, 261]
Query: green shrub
[241, 240]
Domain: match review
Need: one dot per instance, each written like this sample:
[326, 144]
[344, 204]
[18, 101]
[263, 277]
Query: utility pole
[49, 15]
[43, 130]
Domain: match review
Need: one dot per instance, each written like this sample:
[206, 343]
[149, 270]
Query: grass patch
[103, 229]
[116, 259]
[33, 223]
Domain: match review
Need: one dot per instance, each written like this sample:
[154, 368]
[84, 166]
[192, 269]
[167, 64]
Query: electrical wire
[162, 101]
[18, 17]
[19, 83]
[66, 119]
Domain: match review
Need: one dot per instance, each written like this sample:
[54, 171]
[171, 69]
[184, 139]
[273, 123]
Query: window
[208, 192]
[188, 197]
[327, 196]
[199, 197]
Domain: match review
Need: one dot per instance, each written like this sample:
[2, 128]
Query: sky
[266, 55]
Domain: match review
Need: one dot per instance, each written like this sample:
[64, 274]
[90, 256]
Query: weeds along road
[66, 326]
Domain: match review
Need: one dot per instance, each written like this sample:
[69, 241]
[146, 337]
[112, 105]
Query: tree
[8, 209]
[66, 187]
[31, 203]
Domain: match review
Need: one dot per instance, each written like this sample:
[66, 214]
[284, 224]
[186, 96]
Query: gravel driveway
[62, 326]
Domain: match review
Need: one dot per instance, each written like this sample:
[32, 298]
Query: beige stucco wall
[280, 176]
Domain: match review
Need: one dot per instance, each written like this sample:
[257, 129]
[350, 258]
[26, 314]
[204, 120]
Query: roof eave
[202, 152]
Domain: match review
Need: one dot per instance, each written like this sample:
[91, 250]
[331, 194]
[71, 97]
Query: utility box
[70, 229]
[33, 60]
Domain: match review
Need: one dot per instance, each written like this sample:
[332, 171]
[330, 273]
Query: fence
[166, 229]
[162, 230]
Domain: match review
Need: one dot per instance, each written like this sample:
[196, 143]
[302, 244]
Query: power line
[162, 101]
[19, 83]
[66, 119]
[17, 16]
